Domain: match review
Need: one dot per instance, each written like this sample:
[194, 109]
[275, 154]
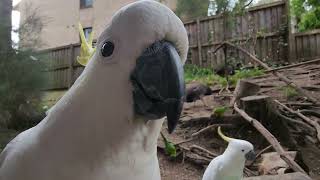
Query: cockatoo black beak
[158, 84]
[250, 155]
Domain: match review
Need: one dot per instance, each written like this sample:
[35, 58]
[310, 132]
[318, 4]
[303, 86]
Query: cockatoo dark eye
[107, 49]
[242, 150]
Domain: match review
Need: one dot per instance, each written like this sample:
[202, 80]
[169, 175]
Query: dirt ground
[179, 170]
[306, 76]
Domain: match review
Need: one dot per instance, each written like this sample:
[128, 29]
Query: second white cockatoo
[107, 124]
[230, 165]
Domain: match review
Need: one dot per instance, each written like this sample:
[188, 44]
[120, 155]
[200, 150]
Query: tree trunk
[5, 25]
[244, 88]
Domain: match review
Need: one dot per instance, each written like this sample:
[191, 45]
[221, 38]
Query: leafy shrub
[21, 80]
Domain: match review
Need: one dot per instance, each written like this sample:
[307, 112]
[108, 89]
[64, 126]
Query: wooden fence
[306, 45]
[63, 69]
[262, 31]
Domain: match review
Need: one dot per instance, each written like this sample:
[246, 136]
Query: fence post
[199, 42]
[291, 38]
[70, 64]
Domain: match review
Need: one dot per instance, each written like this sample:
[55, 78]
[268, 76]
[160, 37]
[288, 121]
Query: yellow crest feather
[86, 49]
[224, 137]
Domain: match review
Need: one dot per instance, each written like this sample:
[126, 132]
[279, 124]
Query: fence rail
[263, 31]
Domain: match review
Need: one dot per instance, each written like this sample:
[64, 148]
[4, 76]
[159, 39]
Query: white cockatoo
[230, 165]
[107, 125]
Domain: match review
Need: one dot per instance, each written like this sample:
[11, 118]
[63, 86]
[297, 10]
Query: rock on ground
[289, 176]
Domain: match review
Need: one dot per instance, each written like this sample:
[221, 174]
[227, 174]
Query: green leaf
[219, 111]
[170, 148]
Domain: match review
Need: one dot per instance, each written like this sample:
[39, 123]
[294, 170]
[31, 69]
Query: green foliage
[187, 9]
[219, 111]
[310, 20]
[194, 73]
[307, 13]
[230, 6]
[21, 80]
[170, 148]
[289, 92]
[208, 77]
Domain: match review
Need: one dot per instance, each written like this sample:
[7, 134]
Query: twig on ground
[203, 150]
[311, 122]
[208, 128]
[295, 65]
[298, 104]
[263, 150]
[271, 139]
[310, 112]
[301, 123]
[184, 141]
[249, 172]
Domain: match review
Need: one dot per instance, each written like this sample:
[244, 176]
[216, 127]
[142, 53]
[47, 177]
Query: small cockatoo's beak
[250, 156]
[158, 83]
[86, 49]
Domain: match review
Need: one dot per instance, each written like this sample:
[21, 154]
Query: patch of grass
[194, 73]
[208, 77]
[246, 73]
[289, 92]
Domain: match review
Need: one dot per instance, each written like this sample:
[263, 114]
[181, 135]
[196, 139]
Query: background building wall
[61, 18]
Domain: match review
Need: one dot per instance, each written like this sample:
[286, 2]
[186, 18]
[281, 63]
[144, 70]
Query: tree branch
[305, 118]
[271, 139]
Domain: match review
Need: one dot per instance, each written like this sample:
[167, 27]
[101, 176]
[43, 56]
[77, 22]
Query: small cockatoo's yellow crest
[86, 49]
[224, 137]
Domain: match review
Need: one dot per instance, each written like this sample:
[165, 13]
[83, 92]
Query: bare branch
[271, 139]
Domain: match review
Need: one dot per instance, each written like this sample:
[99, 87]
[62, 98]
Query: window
[86, 3]
[87, 32]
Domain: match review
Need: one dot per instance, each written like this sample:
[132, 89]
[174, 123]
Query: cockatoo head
[141, 54]
[239, 149]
